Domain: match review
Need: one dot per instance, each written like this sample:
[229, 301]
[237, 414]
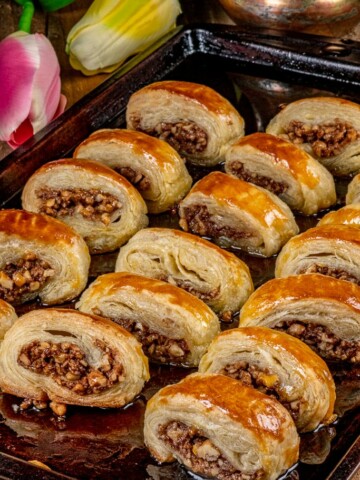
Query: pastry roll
[7, 317]
[40, 257]
[68, 357]
[150, 164]
[353, 192]
[348, 215]
[237, 214]
[322, 311]
[326, 127]
[172, 325]
[221, 429]
[278, 365]
[197, 121]
[97, 202]
[328, 249]
[216, 276]
[283, 169]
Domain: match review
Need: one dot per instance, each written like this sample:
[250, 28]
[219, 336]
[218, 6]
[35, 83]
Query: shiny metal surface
[290, 14]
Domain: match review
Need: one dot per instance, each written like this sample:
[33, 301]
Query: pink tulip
[29, 86]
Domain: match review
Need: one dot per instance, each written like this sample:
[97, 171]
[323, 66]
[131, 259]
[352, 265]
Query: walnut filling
[185, 137]
[66, 364]
[238, 169]
[140, 181]
[263, 380]
[92, 204]
[331, 272]
[198, 220]
[26, 275]
[322, 341]
[156, 346]
[200, 454]
[326, 140]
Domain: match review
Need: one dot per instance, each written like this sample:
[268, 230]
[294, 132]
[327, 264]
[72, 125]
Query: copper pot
[290, 14]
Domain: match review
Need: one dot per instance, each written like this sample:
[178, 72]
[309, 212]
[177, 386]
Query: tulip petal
[17, 71]
[47, 86]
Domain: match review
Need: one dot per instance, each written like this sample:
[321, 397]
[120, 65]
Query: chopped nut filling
[322, 341]
[238, 169]
[156, 346]
[140, 181]
[25, 275]
[200, 454]
[263, 380]
[66, 364]
[331, 272]
[326, 140]
[185, 137]
[92, 204]
[198, 220]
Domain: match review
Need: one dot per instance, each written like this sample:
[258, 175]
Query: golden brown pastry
[321, 311]
[150, 164]
[347, 215]
[40, 257]
[328, 249]
[72, 358]
[216, 276]
[97, 202]
[283, 169]
[172, 325]
[7, 317]
[353, 191]
[279, 365]
[221, 429]
[326, 127]
[238, 214]
[196, 120]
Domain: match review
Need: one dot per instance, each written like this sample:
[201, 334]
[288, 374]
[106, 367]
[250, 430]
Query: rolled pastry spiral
[276, 364]
[72, 358]
[216, 276]
[319, 310]
[353, 191]
[7, 317]
[173, 326]
[150, 164]
[97, 202]
[238, 214]
[347, 215]
[221, 429]
[196, 120]
[283, 169]
[326, 127]
[40, 257]
[327, 249]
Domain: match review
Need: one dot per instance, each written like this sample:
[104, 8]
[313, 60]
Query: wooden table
[57, 25]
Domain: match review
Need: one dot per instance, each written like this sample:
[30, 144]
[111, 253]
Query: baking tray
[256, 71]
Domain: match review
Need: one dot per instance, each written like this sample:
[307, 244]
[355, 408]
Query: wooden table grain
[56, 26]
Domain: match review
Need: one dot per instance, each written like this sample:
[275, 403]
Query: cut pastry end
[173, 326]
[283, 169]
[194, 119]
[326, 127]
[154, 168]
[221, 429]
[40, 257]
[278, 365]
[237, 214]
[101, 205]
[71, 358]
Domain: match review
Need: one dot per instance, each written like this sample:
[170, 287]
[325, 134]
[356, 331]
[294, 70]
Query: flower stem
[26, 15]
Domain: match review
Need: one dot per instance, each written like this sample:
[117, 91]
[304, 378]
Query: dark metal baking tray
[256, 71]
